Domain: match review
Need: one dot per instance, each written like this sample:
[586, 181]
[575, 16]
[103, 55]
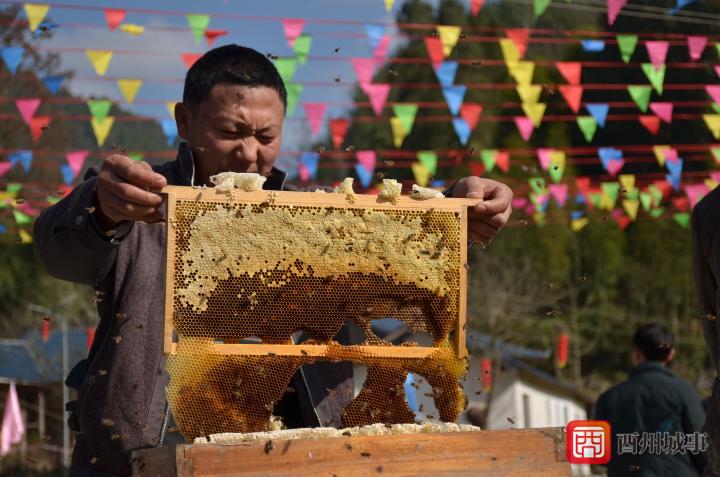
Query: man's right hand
[127, 190]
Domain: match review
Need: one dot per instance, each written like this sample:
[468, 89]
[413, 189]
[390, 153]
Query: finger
[498, 220]
[126, 211]
[136, 174]
[480, 229]
[497, 200]
[130, 193]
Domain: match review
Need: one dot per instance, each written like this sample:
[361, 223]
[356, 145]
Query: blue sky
[87, 29]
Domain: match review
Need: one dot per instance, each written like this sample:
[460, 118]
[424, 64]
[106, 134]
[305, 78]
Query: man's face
[237, 128]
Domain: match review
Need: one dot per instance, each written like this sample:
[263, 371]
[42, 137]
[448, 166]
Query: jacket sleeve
[69, 241]
[693, 420]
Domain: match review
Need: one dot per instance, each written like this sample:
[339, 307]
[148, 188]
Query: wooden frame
[309, 199]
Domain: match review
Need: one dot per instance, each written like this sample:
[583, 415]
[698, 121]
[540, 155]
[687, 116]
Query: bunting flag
[129, 88]
[377, 94]
[364, 69]
[169, 129]
[135, 156]
[475, 6]
[375, 33]
[99, 108]
[576, 225]
[365, 166]
[389, 5]
[651, 123]
[662, 111]
[11, 56]
[539, 7]
[682, 218]
[529, 93]
[435, 50]
[22, 219]
[294, 90]
[429, 160]
[399, 133]
[405, 113]
[471, 112]
[588, 126]
[626, 45]
[293, 27]
[613, 9]
[303, 43]
[522, 72]
[559, 192]
[502, 160]
[535, 112]
[593, 46]
[101, 128]
[315, 114]
[380, 53]
[510, 51]
[454, 96]
[525, 127]
[100, 60]
[656, 76]
[488, 158]
[338, 129]
[462, 129]
[212, 35]
[421, 174]
[696, 46]
[27, 108]
[571, 71]
[114, 17]
[611, 160]
[4, 168]
[599, 111]
[36, 13]
[308, 165]
[89, 337]
[364, 176]
[189, 59]
[198, 23]
[449, 35]
[37, 125]
[519, 37]
[609, 196]
[286, 68]
[660, 154]
[446, 72]
[657, 51]
[714, 92]
[712, 121]
[76, 161]
[640, 95]
[24, 158]
[716, 154]
[53, 83]
[132, 29]
[572, 95]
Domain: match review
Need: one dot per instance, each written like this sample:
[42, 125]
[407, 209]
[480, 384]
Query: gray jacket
[121, 404]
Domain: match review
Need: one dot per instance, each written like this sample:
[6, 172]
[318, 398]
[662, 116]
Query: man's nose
[248, 149]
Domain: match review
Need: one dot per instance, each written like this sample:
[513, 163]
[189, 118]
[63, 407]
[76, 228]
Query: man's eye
[266, 138]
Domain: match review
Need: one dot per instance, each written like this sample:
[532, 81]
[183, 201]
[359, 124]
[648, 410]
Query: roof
[29, 361]
[543, 379]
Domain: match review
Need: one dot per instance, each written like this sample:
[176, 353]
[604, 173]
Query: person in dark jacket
[650, 412]
[109, 233]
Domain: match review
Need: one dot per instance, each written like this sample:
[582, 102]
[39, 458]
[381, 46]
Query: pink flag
[377, 93]
[519, 202]
[717, 70]
[696, 45]
[614, 166]
[559, 193]
[293, 27]
[367, 159]
[544, 157]
[671, 155]
[573, 95]
[315, 113]
[519, 36]
[613, 9]
[714, 92]
[434, 47]
[695, 192]
[502, 160]
[475, 6]
[471, 112]
[27, 108]
[4, 167]
[13, 426]
[364, 69]
[657, 51]
[380, 53]
[76, 160]
[663, 111]
[303, 172]
[525, 126]
[715, 176]
[570, 71]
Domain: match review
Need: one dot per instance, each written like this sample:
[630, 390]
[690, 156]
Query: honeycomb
[266, 269]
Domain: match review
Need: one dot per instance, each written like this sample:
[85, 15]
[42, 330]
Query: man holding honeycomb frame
[110, 233]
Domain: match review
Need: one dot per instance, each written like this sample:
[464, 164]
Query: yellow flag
[627, 181]
[132, 29]
[631, 207]
[422, 175]
[398, 131]
[534, 111]
[529, 93]
[710, 183]
[25, 236]
[660, 153]
[713, 123]
[36, 13]
[539, 218]
[129, 88]
[557, 158]
[100, 60]
[522, 71]
[389, 4]
[102, 129]
[170, 105]
[607, 202]
[448, 37]
[510, 51]
[578, 224]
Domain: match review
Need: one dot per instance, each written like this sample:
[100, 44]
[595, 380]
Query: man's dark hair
[230, 64]
[654, 341]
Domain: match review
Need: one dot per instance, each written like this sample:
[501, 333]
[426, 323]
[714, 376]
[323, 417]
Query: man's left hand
[489, 216]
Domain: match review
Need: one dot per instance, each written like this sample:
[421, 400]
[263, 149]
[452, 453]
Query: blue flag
[23, 157]
[169, 128]
[67, 173]
[375, 33]
[446, 72]
[52, 83]
[11, 55]
[599, 111]
[609, 153]
[576, 214]
[310, 161]
[462, 129]
[454, 97]
[593, 46]
[364, 175]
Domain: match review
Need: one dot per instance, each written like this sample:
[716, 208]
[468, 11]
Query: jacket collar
[650, 367]
[185, 169]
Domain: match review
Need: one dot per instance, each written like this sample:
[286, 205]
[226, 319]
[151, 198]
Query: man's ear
[182, 119]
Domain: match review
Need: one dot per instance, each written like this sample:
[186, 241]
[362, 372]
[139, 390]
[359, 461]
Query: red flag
[37, 125]
[561, 350]
[475, 6]
[435, 50]
[651, 123]
[212, 35]
[45, 329]
[519, 36]
[190, 58]
[114, 17]
[338, 129]
[476, 168]
[89, 336]
[471, 112]
[573, 95]
[486, 368]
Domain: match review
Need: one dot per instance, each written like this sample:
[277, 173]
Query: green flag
[539, 7]
[717, 47]
[656, 194]
[657, 213]
[14, 187]
[588, 126]
[286, 68]
[682, 218]
[293, 93]
[429, 160]
[556, 172]
[135, 156]
[716, 108]
[716, 153]
[641, 96]
[302, 47]
[487, 156]
[22, 219]
[646, 200]
[406, 114]
[51, 199]
[595, 198]
[611, 189]
[198, 24]
[99, 108]
[537, 184]
[632, 195]
[655, 76]
[626, 44]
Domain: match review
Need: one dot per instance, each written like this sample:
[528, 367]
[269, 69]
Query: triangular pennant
[593, 46]
[599, 111]
[364, 176]
[476, 169]
[36, 13]
[377, 94]
[525, 126]
[129, 88]
[102, 128]
[132, 29]
[381, 52]
[212, 35]
[27, 108]
[712, 121]
[12, 55]
[646, 200]
[539, 7]
[537, 184]
[610, 192]
[435, 50]
[626, 45]
[716, 154]
[475, 6]
[572, 95]
[576, 225]
[22, 219]
[446, 72]
[309, 161]
[613, 9]
[488, 158]
[399, 132]
[502, 160]
[76, 160]
[662, 111]
[114, 17]
[571, 71]
[286, 68]
[631, 208]
[37, 125]
[657, 51]
[559, 192]
[389, 5]
[522, 71]
[52, 83]
[544, 157]
[535, 112]
[462, 129]
[294, 90]
[683, 219]
[22, 157]
[405, 113]
[471, 112]
[449, 35]
[4, 167]
[519, 36]
[303, 43]
[454, 96]
[67, 174]
[135, 156]
[170, 105]
[696, 45]
[656, 76]
[315, 114]
[367, 160]
[364, 69]
[588, 126]
[640, 95]
[198, 23]
[190, 58]
[510, 52]
[375, 33]
[429, 160]
[100, 60]
[695, 192]
[529, 93]
[714, 92]
[99, 108]
[422, 175]
[651, 123]
[292, 27]
[557, 165]
[338, 129]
